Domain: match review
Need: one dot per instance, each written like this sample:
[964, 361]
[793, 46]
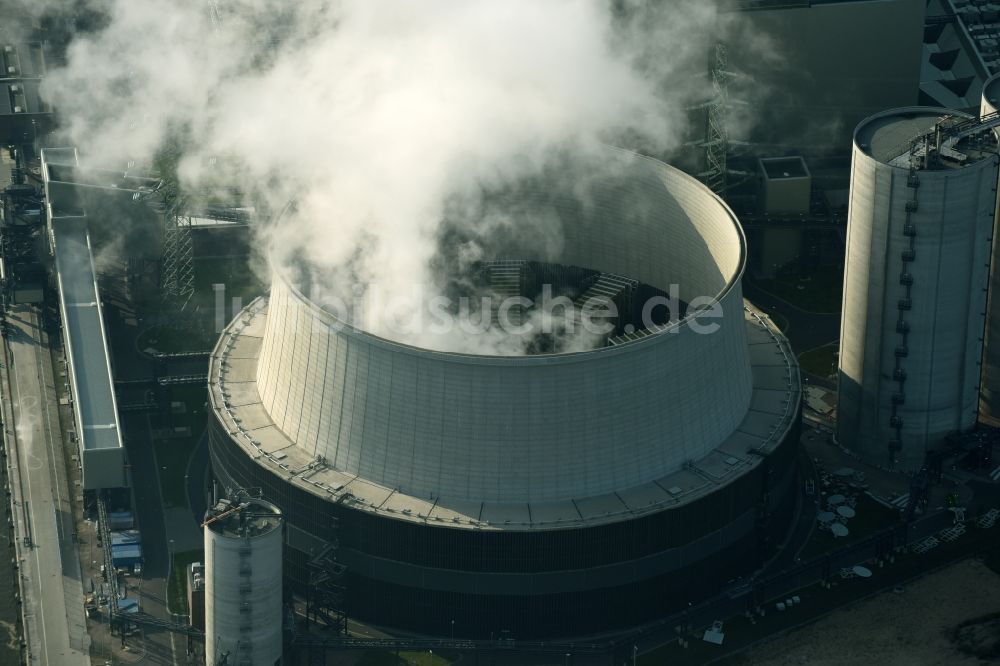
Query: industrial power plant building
[548, 494]
[989, 399]
[920, 233]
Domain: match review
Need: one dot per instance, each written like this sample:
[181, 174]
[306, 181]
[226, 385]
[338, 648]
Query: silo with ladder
[920, 227]
[243, 583]
[989, 398]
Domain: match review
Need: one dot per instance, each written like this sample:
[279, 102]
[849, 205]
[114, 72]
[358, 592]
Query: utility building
[24, 115]
[95, 411]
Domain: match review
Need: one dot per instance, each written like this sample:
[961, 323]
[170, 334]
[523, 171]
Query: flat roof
[978, 23]
[780, 168]
[109, 179]
[773, 409]
[21, 98]
[21, 60]
[90, 367]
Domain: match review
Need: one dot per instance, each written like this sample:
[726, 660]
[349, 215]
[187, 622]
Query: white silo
[989, 399]
[991, 96]
[243, 586]
[920, 225]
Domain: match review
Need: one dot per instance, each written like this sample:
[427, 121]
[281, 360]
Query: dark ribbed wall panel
[666, 559]
[525, 551]
[570, 613]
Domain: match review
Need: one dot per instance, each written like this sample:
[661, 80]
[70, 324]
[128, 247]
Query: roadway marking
[28, 430]
[31, 521]
[48, 427]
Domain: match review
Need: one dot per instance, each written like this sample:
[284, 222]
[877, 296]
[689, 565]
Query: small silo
[243, 587]
[920, 226]
[991, 96]
[989, 399]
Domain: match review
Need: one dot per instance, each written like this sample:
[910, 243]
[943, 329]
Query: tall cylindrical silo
[989, 397]
[243, 584]
[920, 225]
[991, 96]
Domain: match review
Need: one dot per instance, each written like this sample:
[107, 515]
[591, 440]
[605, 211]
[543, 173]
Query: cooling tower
[989, 397]
[920, 225]
[542, 495]
[243, 584]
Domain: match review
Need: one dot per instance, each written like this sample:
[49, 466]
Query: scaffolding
[716, 174]
[177, 276]
[325, 594]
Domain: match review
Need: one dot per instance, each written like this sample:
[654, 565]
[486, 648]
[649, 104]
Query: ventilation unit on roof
[11, 69]
[15, 88]
[8, 48]
[18, 109]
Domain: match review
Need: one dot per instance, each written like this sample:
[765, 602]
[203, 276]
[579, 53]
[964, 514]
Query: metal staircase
[926, 150]
[244, 647]
[607, 289]
[904, 305]
[505, 281]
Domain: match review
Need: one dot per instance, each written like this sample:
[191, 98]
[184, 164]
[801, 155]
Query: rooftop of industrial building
[773, 410]
[889, 137]
[781, 168]
[22, 60]
[111, 179]
[22, 97]
[755, 5]
[86, 347]
[85, 337]
[981, 22]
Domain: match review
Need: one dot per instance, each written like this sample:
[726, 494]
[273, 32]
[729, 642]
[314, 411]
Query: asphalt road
[786, 583]
[197, 478]
[54, 590]
[158, 646]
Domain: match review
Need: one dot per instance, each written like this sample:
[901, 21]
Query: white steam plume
[374, 115]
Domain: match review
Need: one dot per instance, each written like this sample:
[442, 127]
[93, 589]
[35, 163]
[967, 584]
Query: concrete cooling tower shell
[989, 398]
[531, 428]
[551, 494]
[918, 251]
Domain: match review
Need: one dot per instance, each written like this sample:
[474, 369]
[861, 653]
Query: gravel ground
[907, 629]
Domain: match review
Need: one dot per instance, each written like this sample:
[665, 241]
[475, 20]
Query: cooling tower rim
[267, 448]
[906, 112]
[672, 331]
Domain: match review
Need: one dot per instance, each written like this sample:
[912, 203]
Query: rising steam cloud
[377, 116]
